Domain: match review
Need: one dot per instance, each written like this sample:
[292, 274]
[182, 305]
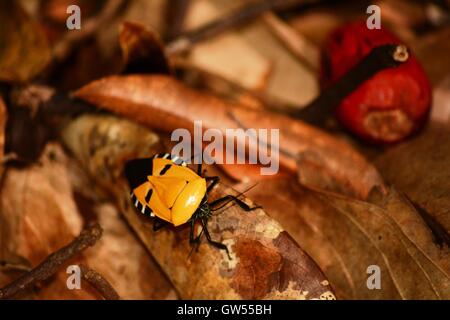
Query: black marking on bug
[149, 196]
[143, 208]
[165, 169]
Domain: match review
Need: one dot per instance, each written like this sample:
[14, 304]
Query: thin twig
[227, 88]
[99, 283]
[175, 17]
[297, 44]
[87, 238]
[232, 20]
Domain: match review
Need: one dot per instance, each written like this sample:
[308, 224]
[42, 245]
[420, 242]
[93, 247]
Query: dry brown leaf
[440, 112]
[24, 51]
[290, 81]
[266, 262]
[403, 14]
[287, 81]
[56, 10]
[346, 236]
[431, 50]
[3, 118]
[119, 256]
[420, 169]
[317, 24]
[38, 214]
[122, 260]
[163, 103]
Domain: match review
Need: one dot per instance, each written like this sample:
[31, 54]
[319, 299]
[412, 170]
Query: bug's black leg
[229, 198]
[216, 244]
[214, 180]
[193, 239]
[159, 224]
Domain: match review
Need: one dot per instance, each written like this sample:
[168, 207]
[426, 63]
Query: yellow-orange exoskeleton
[165, 189]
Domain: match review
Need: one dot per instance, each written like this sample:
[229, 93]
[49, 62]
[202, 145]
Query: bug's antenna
[239, 195]
[248, 189]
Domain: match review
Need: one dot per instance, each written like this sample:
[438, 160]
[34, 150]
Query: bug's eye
[137, 170]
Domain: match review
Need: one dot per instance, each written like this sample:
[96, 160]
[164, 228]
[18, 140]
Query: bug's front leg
[216, 244]
[229, 198]
[193, 239]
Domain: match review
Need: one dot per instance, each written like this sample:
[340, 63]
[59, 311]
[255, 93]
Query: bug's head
[204, 209]
[137, 170]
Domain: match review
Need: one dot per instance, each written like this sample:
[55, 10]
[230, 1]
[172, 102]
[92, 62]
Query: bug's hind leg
[229, 198]
[216, 244]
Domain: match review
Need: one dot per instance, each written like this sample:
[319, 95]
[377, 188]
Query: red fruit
[392, 104]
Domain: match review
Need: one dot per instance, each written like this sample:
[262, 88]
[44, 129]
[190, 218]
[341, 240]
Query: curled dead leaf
[163, 103]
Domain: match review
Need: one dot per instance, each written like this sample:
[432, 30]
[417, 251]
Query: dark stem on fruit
[380, 58]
